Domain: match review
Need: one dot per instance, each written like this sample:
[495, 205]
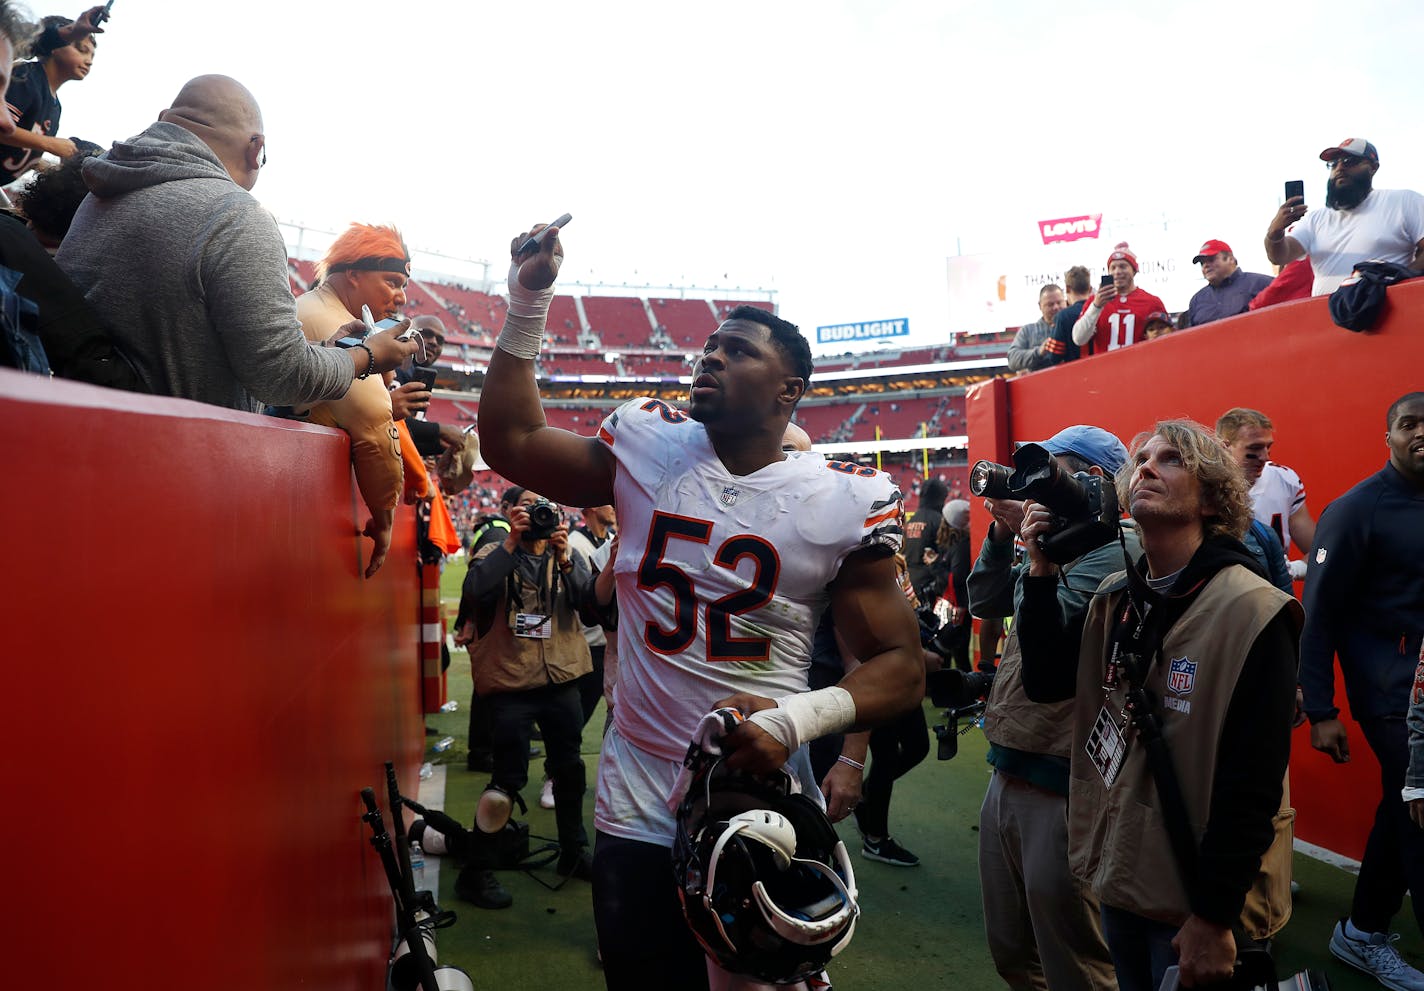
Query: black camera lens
[543, 519]
[988, 480]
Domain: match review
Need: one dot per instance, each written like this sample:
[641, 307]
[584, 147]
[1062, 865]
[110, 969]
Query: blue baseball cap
[1093, 444]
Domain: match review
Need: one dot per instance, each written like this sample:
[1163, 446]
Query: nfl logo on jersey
[728, 496]
[1182, 676]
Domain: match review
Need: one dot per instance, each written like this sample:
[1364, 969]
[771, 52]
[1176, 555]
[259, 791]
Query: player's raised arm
[515, 438]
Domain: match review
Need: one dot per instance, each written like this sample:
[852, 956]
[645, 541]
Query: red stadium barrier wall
[199, 685]
[1325, 388]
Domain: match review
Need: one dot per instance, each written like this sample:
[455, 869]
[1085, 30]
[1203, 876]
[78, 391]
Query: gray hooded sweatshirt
[189, 273]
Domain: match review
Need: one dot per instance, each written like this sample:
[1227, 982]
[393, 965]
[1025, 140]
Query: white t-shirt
[1386, 226]
[1277, 494]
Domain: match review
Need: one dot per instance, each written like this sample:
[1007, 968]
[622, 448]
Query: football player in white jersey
[1277, 493]
[730, 550]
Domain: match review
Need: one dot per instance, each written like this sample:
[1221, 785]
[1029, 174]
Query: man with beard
[731, 548]
[1190, 651]
[1228, 290]
[1364, 602]
[1117, 316]
[1359, 223]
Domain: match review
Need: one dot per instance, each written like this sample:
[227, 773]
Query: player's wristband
[523, 330]
[807, 716]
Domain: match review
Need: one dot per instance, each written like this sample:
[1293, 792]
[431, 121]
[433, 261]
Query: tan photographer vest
[1117, 841]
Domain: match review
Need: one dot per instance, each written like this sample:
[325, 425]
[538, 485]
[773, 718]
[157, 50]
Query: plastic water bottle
[417, 865]
[443, 744]
[427, 771]
[451, 706]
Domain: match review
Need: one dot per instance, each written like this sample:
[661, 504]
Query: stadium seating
[619, 321]
[569, 364]
[897, 418]
[687, 322]
[563, 326]
[823, 420]
[650, 366]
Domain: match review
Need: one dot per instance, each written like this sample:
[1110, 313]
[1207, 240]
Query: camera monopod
[401, 888]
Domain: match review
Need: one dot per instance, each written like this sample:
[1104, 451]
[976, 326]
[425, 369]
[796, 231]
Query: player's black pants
[1394, 854]
[642, 935]
[894, 749]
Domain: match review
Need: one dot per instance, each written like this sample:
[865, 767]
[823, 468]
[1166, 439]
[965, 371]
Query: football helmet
[766, 884]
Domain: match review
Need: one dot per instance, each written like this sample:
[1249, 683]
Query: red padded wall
[1325, 388]
[199, 685]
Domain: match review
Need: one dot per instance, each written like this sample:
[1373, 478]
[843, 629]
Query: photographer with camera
[519, 613]
[1183, 677]
[1042, 922]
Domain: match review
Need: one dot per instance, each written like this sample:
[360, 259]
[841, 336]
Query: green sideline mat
[922, 927]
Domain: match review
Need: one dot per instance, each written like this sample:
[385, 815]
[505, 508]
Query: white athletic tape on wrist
[523, 330]
[807, 716]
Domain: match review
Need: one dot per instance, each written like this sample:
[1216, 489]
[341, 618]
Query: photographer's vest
[1117, 842]
[1012, 719]
[502, 662]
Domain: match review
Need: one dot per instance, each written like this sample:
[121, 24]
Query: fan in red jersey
[1118, 314]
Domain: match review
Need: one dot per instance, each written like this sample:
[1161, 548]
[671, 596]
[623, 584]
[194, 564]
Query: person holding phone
[1228, 290]
[365, 266]
[412, 390]
[1117, 315]
[1359, 223]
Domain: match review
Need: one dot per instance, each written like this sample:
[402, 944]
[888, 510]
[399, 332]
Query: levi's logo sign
[1070, 228]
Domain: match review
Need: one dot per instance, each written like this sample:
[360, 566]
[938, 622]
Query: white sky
[836, 151]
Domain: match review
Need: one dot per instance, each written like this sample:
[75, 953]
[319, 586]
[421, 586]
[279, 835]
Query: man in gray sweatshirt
[189, 272]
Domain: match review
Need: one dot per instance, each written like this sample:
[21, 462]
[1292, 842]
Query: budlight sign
[870, 330]
[1070, 228]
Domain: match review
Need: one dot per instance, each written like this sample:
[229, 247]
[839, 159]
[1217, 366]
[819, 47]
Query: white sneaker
[1377, 957]
[546, 801]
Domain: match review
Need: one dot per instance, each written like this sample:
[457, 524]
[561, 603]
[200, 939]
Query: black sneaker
[576, 865]
[482, 889]
[887, 851]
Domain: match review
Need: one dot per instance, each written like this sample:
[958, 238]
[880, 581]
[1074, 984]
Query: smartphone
[1296, 187]
[351, 342]
[103, 15]
[533, 242]
[425, 375]
[1105, 281]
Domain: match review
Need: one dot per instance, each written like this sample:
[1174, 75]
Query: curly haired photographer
[519, 614]
[1184, 689]
[1041, 922]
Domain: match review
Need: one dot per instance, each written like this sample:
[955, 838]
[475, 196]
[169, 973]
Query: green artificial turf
[921, 927]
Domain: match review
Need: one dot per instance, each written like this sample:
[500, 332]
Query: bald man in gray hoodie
[189, 272]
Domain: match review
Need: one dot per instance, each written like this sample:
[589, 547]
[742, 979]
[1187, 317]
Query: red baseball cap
[1211, 249]
[1358, 147]
[1157, 317]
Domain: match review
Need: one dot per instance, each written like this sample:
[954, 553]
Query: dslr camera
[543, 519]
[1085, 510]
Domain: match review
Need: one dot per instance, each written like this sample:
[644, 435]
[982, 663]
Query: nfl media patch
[1182, 676]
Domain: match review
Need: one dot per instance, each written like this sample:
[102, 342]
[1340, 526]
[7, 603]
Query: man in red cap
[1359, 223]
[1228, 290]
[1117, 316]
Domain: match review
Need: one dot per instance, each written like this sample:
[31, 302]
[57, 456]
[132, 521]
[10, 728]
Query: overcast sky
[837, 151]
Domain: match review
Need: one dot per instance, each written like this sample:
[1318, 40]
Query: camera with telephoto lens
[1085, 510]
[961, 694]
[543, 519]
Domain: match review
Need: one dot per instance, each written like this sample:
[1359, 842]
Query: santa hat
[1122, 253]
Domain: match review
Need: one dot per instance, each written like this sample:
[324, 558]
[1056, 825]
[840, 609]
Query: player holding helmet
[731, 549]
